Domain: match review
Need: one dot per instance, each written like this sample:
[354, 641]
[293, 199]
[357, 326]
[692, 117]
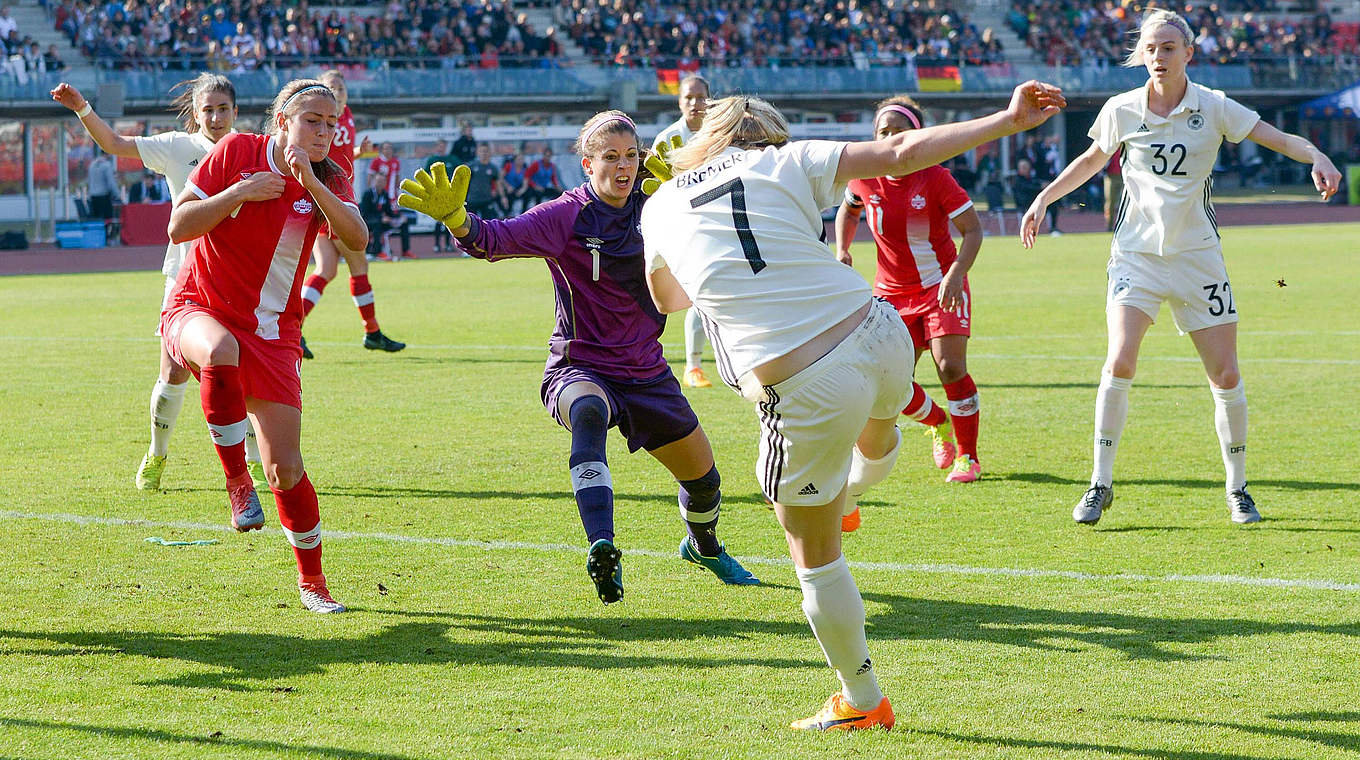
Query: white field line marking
[902, 567]
[677, 349]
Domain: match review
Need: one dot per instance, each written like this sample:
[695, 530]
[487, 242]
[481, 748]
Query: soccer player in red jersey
[925, 278]
[255, 205]
[328, 251]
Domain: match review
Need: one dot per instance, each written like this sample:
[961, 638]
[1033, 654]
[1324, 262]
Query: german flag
[938, 79]
[668, 81]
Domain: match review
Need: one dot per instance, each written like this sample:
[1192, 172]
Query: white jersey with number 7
[743, 235]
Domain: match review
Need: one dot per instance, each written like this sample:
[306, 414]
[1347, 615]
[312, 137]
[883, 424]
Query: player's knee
[1121, 367]
[223, 351]
[1226, 378]
[589, 413]
[284, 473]
[951, 370]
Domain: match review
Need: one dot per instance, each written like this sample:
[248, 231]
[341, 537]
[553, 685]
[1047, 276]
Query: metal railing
[448, 79]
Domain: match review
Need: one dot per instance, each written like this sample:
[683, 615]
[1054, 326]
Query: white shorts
[809, 423]
[1195, 283]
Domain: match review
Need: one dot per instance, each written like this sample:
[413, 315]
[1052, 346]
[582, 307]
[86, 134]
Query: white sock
[166, 400]
[1230, 419]
[1112, 409]
[694, 339]
[835, 610]
[252, 445]
[866, 473]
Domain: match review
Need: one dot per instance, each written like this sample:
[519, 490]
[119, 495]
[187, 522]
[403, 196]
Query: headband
[600, 125]
[911, 117]
[306, 89]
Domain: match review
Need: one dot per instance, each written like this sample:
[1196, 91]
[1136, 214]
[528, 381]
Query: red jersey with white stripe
[342, 145]
[910, 220]
[248, 269]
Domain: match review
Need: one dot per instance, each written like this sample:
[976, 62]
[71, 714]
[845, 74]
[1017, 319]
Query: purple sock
[590, 479]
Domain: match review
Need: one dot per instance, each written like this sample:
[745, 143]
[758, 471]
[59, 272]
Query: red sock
[300, 516]
[963, 411]
[922, 408]
[312, 288]
[363, 298]
[224, 406]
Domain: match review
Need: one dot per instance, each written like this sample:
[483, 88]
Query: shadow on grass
[1288, 485]
[1349, 742]
[1050, 747]
[1088, 386]
[168, 737]
[258, 660]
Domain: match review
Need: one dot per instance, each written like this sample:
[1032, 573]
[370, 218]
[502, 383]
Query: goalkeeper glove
[659, 164]
[437, 195]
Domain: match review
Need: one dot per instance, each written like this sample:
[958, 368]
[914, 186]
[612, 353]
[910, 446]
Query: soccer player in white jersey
[694, 94]
[1166, 244]
[207, 104]
[737, 233]
[255, 205]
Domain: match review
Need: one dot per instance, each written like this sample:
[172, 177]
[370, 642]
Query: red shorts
[270, 369]
[924, 317]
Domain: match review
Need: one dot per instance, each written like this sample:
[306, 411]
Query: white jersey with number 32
[1168, 163]
[743, 234]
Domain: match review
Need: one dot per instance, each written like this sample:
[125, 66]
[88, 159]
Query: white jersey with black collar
[1167, 164]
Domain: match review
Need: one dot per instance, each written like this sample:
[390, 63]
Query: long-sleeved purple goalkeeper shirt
[606, 320]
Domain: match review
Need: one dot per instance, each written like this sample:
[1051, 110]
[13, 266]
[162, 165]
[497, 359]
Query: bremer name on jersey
[910, 221]
[743, 235]
[248, 269]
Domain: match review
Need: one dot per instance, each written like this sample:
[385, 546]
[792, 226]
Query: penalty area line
[898, 567]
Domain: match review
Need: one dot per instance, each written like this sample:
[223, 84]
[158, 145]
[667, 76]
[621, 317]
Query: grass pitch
[1000, 628]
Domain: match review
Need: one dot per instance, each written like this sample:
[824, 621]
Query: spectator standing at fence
[8, 25]
[512, 174]
[147, 190]
[541, 180]
[103, 184]
[465, 147]
[52, 60]
[442, 241]
[485, 191]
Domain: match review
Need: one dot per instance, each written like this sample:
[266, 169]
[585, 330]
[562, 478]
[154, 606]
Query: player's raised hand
[300, 164]
[260, 186]
[659, 164]
[1326, 178]
[68, 96]
[436, 195]
[1033, 103]
[1029, 224]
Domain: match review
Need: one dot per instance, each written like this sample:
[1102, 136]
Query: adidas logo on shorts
[808, 490]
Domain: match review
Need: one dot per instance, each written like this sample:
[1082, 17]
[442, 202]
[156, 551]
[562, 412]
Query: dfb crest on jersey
[918, 202]
[1196, 121]
[302, 206]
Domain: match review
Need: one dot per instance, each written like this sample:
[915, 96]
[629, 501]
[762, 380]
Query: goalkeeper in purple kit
[605, 365]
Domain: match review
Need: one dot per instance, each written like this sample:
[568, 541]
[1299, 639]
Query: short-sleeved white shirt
[678, 128]
[743, 235]
[1167, 164]
[174, 155]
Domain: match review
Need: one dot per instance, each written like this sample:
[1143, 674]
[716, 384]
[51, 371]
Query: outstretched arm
[1326, 178]
[1076, 174]
[103, 135]
[1031, 104]
[847, 221]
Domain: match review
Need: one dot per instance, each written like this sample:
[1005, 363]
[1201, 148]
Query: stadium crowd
[1098, 31]
[763, 32]
[244, 35]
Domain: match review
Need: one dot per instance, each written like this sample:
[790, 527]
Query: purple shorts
[650, 413]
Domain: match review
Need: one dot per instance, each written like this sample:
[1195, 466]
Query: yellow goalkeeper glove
[659, 164]
[436, 195]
